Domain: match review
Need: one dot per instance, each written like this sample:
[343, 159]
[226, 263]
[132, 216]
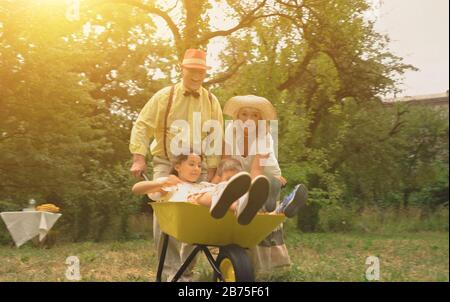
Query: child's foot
[293, 201]
[234, 188]
[254, 201]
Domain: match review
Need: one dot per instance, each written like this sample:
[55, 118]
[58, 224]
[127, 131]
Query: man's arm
[213, 160]
[141, 134]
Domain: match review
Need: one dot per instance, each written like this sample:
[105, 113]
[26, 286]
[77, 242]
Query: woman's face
[190, 169]
[246, 113]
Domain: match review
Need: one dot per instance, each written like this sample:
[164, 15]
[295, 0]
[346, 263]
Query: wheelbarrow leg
[213, 263]
[162, 256]
[186, 264]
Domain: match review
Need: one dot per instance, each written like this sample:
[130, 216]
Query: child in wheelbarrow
[236, 191]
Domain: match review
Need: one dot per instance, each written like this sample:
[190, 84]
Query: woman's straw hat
[264, 106]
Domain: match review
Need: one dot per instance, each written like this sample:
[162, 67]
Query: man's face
[193, 77]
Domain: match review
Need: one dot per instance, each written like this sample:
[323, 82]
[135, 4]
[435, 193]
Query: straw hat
[195, 58]
[241, 101]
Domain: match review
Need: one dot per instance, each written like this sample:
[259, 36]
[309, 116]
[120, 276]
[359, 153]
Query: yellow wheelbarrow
[193, 224]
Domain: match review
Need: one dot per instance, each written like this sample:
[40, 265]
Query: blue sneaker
[293, 201]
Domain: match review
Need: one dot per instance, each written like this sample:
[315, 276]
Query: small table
[25, 225]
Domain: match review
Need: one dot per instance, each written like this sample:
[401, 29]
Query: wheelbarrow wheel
[234, 264]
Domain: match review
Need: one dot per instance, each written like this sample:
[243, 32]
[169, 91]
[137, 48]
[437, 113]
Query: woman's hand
[262, 156]
[282, 180]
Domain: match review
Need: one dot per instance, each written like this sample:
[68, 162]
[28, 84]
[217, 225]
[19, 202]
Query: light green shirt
[150, 123]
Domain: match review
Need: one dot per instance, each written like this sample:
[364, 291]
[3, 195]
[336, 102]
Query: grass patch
[422, 256]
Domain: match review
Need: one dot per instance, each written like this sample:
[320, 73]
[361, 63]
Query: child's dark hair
[181, 158]
[228, 164]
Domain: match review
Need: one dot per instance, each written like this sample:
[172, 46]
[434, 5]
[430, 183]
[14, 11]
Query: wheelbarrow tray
[193, 224]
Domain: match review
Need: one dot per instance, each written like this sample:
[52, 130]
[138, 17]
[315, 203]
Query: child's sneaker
[254, 201]
[234, 188]
[293, 201]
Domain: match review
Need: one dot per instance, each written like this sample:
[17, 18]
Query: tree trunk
[406, 195]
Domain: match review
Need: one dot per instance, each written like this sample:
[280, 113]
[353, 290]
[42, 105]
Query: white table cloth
[26, 225]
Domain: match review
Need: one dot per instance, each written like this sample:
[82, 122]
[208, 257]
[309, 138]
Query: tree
[53, 132]
[69, 91]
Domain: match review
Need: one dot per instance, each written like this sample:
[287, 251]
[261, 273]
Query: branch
[246, 21]
[225, 76]
[288, 4]
[171, 9]
[397, 125]
[293, 19]
[151, 10]
[299, 73]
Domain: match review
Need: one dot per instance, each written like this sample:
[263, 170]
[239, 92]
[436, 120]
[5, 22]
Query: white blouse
[234, 148]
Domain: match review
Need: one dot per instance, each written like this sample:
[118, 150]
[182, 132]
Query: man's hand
[139, 166]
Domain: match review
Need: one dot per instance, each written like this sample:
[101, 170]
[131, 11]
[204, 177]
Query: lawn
[422, 256]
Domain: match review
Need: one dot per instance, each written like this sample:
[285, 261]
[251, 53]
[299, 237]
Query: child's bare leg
[204, 199]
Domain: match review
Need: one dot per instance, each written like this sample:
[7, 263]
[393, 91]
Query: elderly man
[178, 102]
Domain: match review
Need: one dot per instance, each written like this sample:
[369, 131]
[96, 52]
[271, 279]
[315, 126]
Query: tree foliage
[69, 91]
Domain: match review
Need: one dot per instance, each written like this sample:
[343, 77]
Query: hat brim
[196, 66]
[234, 104]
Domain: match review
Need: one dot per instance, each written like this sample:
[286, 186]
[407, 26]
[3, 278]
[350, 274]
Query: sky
[419, 32]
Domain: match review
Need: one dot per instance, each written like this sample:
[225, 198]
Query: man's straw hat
[195, 58]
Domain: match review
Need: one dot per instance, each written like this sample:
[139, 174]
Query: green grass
[341, 257]
[422, 256]
[387, 220]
